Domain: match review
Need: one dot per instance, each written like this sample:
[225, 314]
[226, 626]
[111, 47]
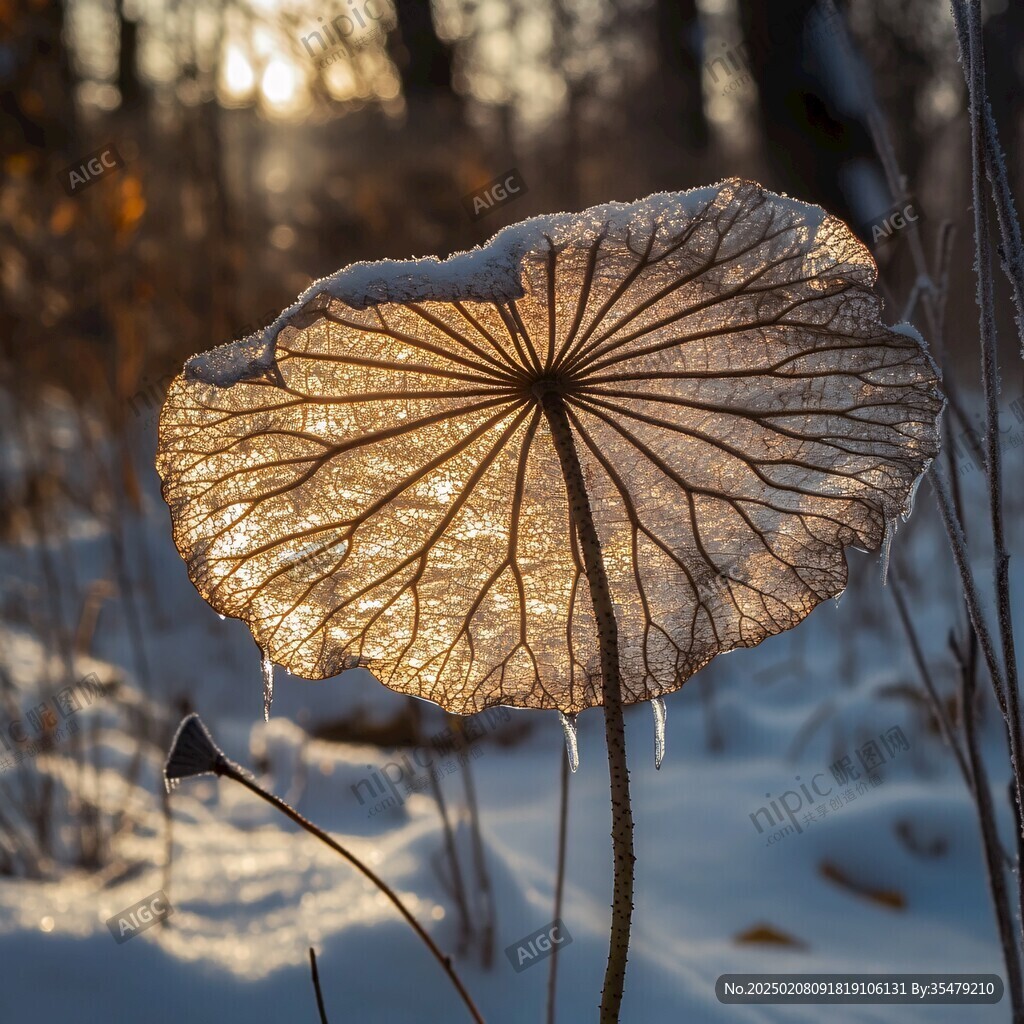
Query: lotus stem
[614, 724]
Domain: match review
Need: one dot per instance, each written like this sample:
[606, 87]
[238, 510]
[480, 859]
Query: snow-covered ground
[251, 892]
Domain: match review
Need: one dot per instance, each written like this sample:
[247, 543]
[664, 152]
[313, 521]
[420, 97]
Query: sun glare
[237, 74]
[283, 88]
[279, 83]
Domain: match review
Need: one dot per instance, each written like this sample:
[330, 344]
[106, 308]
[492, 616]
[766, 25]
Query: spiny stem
[614, 724]
[232, 771]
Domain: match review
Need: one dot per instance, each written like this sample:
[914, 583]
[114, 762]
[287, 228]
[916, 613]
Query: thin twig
[982, 636]
[946, 726]
[943, 262]
[454, 884]
[938, 708]
[1012, 249]
[230, 770]
[989, 832]
[563, 819]
[969, 16]
[483, 877]
[958, 545]
[911, 304]
[881, 137]
[990, 359]
[316, 987]
[934, 300]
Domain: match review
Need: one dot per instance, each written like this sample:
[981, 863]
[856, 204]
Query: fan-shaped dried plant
[563, 470]
[193, 753]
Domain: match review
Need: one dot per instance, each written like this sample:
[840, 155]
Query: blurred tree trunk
[423, 59]
[37, 85]
[680, 101]
[1004, 62]
[128, 83]
[816, 139]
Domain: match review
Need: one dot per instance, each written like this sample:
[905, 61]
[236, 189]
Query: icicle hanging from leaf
[571, 749]
[890, 533]
[268, 684]
[660, 714]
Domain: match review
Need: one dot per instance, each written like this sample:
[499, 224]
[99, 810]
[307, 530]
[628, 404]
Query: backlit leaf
[371, 479]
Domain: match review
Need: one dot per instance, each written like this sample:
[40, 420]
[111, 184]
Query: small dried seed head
[193, 752]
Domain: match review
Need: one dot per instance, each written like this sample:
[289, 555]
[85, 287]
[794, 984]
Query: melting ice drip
[571, 749]
[660, 714]
[890, 532]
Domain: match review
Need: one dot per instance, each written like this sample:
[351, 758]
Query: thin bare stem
[614, 723]
[881, 136]
[943, 262]
[563, 820]
[1012, 249]
[983, 637]
[989, 354]
[968, 16]
[483, 877]
[990, 843]
[958, 545]
[232, 771]
[455, 885]
[316, 987]
[986, 153]
[938, 708]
